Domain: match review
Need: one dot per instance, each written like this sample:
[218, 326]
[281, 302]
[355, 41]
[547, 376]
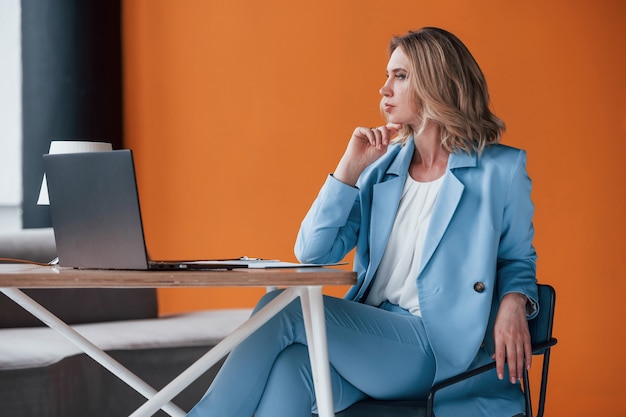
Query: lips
[388, 107]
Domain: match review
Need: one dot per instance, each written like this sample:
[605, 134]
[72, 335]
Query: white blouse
[396, 278]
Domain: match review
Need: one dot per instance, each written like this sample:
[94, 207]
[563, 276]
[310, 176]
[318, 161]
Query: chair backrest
[540, 327]
[541, 336]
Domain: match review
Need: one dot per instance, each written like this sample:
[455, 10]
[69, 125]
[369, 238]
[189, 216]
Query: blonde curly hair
[450, 89]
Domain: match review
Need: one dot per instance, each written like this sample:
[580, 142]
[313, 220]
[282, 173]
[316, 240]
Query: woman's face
[398, 101]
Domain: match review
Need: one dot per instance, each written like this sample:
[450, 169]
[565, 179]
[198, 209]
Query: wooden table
[305, 283]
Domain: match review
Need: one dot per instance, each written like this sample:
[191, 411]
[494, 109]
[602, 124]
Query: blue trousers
[377, 352]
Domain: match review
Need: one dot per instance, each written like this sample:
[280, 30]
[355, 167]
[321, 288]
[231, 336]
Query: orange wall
[237, 110]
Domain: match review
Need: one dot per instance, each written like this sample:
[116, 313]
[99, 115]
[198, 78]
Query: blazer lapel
[384, 207]
[446, 204]
[385, 201]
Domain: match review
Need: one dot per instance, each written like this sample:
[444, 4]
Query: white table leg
[220, 350]
[89, 348]
[315, 326]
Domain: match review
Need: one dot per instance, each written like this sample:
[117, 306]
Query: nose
[385, 90]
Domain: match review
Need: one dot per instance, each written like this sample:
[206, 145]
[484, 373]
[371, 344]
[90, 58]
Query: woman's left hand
[512, 338]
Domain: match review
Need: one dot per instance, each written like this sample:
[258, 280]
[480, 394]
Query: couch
[43, 375]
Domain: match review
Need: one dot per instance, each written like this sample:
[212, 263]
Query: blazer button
[479, 287]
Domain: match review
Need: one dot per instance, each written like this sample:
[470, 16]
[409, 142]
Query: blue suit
[478, 247]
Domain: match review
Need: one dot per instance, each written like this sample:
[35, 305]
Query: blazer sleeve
[516, 268]
[330, 229]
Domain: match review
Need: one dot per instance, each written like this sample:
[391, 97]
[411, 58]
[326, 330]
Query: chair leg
[528, 401]
[544, 382]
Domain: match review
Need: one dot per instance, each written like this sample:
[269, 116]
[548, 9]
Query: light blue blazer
[478, 246]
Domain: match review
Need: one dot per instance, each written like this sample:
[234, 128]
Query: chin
[391, 119]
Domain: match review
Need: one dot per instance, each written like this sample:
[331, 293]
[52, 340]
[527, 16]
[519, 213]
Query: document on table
[257, 263]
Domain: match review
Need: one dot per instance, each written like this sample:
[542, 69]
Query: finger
[386, 134]
[366, 134]
[515, 358]
[499, 356]
[382, 135]
[521, 353]
[393, 128]
[528, 353]
[378, 137]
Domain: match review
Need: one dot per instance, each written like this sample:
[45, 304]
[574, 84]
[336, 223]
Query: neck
[428, 149]
[430, 160]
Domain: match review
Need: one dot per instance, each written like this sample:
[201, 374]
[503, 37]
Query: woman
[441, 219]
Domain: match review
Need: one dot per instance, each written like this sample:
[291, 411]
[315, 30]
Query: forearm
[349, 170]
[329, 230]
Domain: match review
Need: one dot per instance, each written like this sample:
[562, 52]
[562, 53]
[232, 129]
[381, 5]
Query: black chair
[542, 340]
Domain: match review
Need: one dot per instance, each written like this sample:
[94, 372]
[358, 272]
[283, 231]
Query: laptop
[94, 205]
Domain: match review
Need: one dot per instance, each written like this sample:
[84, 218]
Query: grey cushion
[77, 386]
[41, 346]
[44, 375]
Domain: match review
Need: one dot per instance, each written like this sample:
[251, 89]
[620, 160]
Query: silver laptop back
[95, 210]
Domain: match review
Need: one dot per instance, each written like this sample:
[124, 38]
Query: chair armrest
[453, 380]
[537, 349]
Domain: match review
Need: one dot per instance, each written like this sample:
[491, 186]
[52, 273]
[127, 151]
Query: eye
[401, 76]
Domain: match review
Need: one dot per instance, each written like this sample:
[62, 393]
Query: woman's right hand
[366, 146]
